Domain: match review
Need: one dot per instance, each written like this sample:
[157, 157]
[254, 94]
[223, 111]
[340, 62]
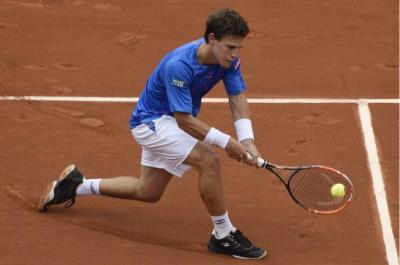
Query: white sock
[222, 225]
[89, 187]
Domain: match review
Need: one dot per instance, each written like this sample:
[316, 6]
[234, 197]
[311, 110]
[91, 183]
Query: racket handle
[260, 162]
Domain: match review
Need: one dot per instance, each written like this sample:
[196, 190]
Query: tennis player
[173, 140]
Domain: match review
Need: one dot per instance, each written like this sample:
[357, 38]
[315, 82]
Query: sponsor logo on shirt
[178, 83]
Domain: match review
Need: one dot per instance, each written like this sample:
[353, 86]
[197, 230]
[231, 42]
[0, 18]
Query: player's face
[226, 50]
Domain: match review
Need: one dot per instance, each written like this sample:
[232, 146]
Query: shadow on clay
[143, 238]
[157, 240]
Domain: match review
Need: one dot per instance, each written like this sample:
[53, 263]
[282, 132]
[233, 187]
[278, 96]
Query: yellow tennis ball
[338, 190]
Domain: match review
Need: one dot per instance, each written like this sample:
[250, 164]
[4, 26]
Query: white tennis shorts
[165, 145]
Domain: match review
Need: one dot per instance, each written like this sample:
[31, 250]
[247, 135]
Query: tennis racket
[310, 186]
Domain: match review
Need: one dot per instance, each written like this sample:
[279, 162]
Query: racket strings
[311, 187]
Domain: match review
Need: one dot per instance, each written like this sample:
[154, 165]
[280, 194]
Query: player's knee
[210, 163]
[152, 198]
[147, 194]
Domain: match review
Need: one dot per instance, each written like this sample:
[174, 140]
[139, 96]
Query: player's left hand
[252, 150]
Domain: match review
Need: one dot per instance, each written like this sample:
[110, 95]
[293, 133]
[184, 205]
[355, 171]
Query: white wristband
[215, 136]
[244, 130]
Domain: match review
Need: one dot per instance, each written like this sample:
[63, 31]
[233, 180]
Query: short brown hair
[226, 22]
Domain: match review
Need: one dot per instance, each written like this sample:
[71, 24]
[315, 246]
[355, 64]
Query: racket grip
[260, 162]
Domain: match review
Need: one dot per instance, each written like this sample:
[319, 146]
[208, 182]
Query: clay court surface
[296, 49]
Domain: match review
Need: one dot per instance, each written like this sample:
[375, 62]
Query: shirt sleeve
[177, 78]
[233, 80]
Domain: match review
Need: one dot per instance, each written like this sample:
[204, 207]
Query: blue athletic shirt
[179, 82]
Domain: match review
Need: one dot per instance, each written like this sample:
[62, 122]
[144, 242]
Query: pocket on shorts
[142, 133]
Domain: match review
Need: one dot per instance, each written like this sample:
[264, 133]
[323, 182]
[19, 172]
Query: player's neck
[205, 55]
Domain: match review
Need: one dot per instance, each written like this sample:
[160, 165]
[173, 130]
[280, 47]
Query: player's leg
[174, 150]
[149, 187]
[225, 239]
[204, 159]
[71, 183]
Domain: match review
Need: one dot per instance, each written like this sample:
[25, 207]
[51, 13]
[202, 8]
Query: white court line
[378, 184]
[205, 100]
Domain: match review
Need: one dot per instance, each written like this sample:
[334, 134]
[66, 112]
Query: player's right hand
[235, 150]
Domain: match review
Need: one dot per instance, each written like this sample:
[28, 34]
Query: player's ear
[211, 39]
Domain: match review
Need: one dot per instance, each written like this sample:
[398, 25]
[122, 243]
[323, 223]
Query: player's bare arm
[240, 111]
[199, 129]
